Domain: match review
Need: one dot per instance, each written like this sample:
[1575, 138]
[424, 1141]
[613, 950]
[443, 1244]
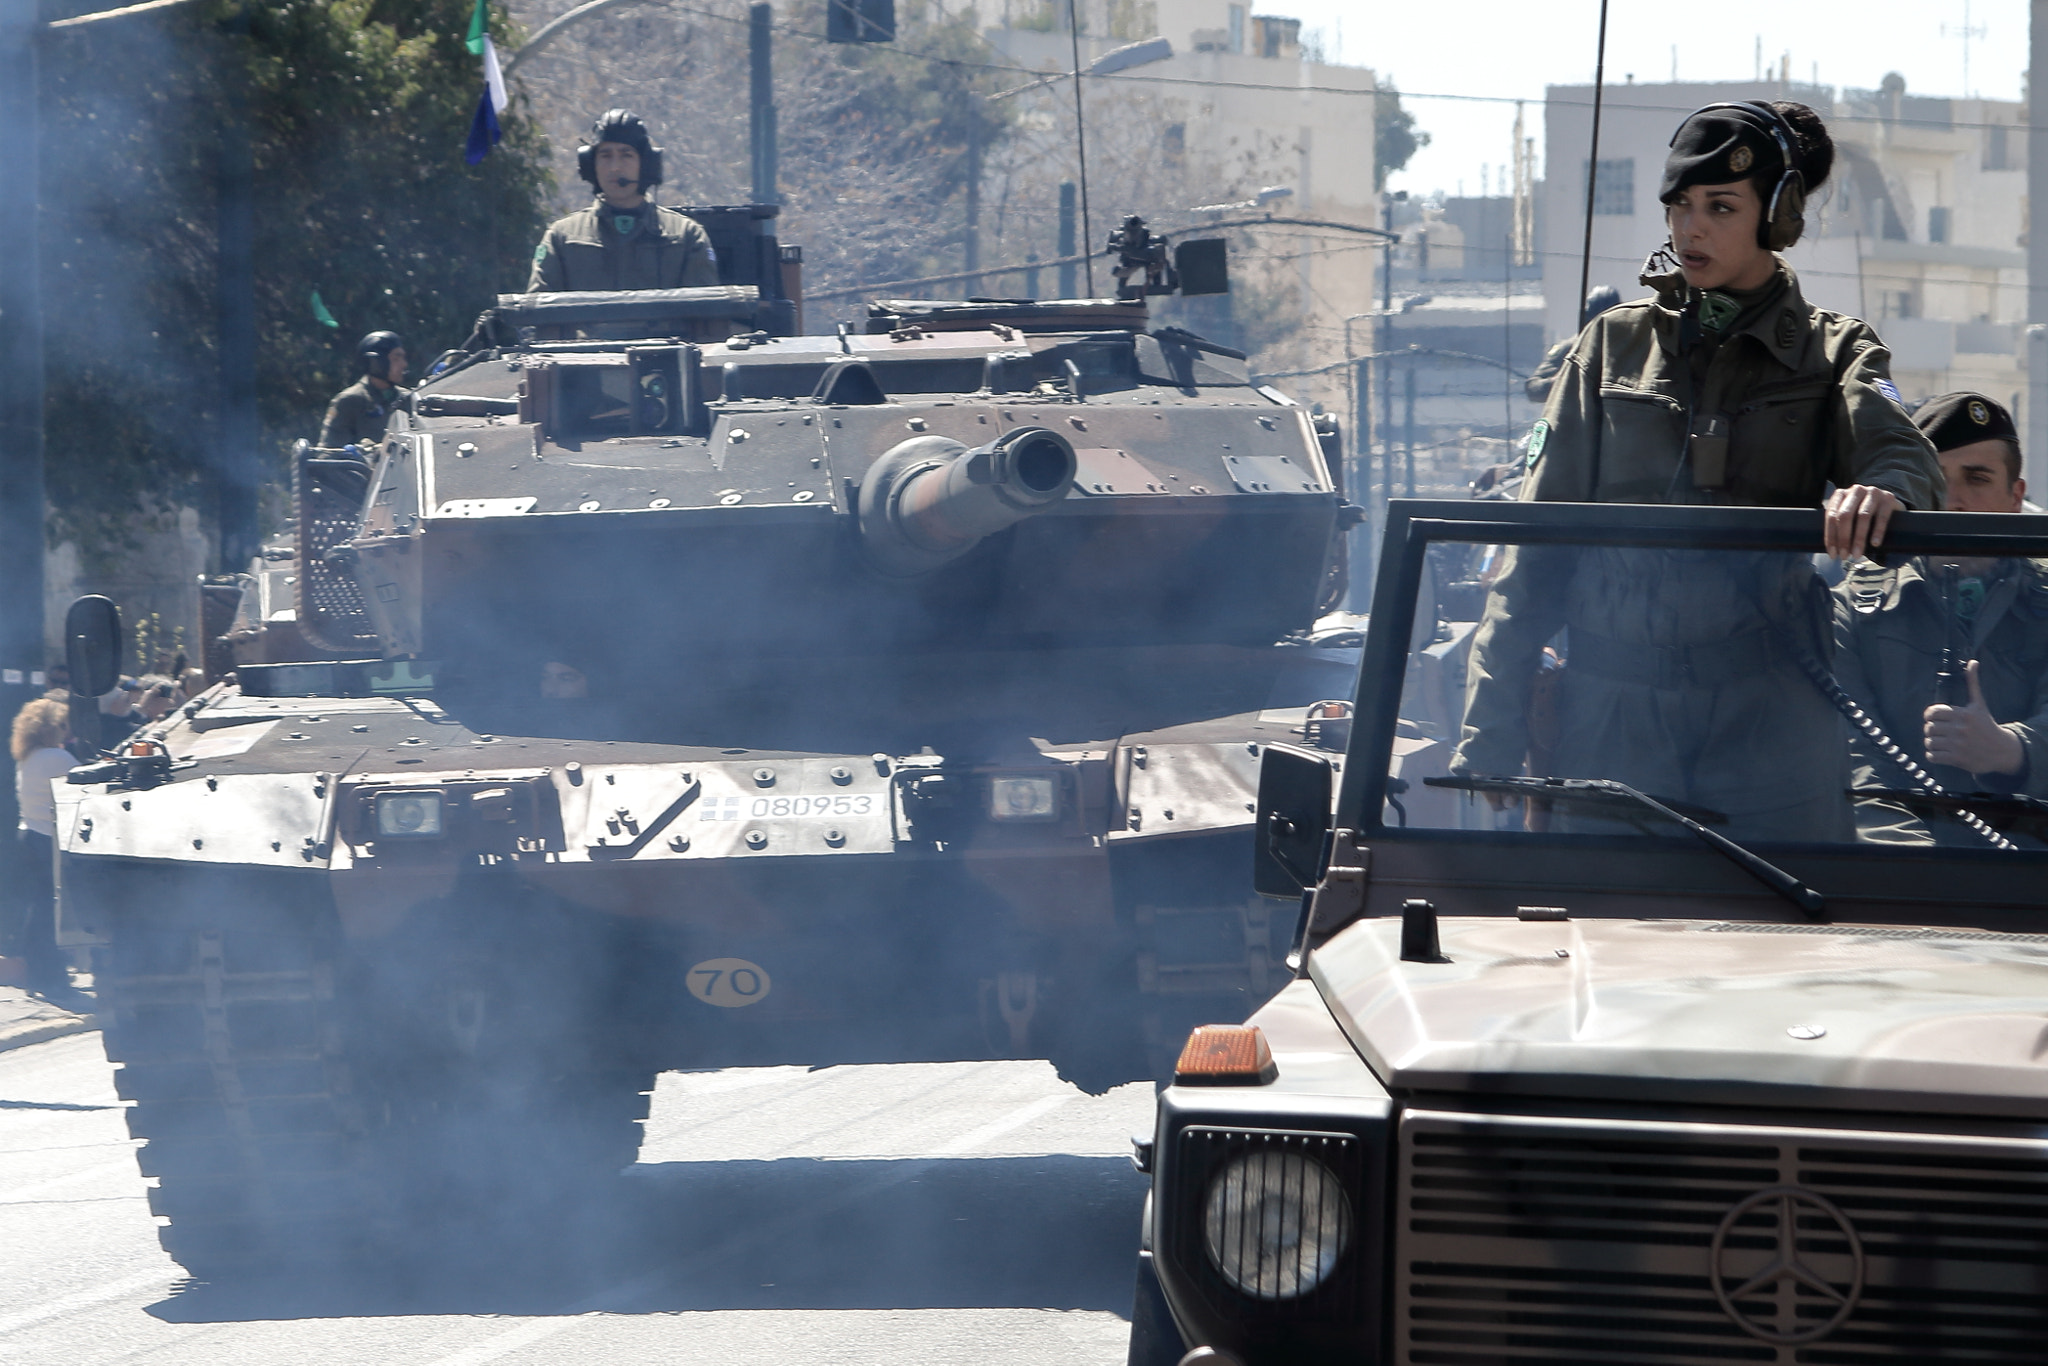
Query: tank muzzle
[931, 499]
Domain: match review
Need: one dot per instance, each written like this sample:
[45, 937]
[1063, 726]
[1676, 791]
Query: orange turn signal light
[1225, 1055]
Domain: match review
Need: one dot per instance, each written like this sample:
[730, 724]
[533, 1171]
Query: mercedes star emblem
[1785, 1270]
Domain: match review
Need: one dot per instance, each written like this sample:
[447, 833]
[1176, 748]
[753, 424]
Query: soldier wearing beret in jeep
[1951, 657]
[1687, 673]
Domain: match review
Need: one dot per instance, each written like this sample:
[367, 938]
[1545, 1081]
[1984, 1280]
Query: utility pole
[761, 100]
[235, 459]
[21, 392]
[2037, 245]
[1069, 285]
[1385, 378]
[970, 253]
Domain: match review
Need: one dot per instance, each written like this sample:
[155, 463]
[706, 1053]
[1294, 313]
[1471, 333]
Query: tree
[1395, 137]
[357, 112]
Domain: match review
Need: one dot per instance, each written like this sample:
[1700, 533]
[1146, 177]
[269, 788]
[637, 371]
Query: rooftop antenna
[1966, 32]
[1593, 158]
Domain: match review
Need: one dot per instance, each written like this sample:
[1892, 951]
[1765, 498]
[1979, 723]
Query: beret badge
[1979, 414]
[1741, 159]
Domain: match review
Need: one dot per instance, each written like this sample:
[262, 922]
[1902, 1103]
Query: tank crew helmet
[621, 125]
[373, 353]
[1722, 143]
[1599, 299]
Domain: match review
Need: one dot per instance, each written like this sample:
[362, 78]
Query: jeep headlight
[408, 815]
[1275, 1223]
[1022, 799]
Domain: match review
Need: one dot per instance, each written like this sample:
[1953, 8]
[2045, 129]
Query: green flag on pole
[320, 313]
[479, 25]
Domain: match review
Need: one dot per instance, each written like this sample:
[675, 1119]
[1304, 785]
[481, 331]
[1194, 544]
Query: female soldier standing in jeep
[1726, 387]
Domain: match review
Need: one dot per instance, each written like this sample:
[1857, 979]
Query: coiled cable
[1824, 679]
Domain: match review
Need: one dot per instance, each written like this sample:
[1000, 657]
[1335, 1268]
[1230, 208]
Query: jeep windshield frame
[1495, 872]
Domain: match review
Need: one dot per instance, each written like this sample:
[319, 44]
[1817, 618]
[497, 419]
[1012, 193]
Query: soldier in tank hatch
[359, 414]
[1951, 656]
[624, 240]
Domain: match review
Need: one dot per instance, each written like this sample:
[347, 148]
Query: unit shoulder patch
[1539, 436]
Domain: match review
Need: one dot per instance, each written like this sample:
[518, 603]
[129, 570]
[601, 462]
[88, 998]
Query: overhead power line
[959, 276]
[121, 13]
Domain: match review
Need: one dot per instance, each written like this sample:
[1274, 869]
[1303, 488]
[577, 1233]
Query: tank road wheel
[227, 1044]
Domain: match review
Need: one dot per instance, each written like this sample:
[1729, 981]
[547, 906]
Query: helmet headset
[373, 354]
[620, 125]
[1784, 216]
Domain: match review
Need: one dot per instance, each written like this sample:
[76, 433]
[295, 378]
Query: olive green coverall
[585, 251]
[1682, 677]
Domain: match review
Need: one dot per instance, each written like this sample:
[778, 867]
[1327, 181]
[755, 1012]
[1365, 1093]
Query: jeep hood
[1927, 1020]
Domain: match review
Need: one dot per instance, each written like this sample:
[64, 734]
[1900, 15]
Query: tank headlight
[1275, 1223]
[409, 815]
[1022, 799]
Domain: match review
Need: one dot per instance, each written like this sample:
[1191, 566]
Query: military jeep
[1565, 1074]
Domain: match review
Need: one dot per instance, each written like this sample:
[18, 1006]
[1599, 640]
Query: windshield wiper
[1606, 792]
[2016, 812]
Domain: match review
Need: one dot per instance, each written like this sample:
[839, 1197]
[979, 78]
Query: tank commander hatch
[623, 240]
[358, 414]
[1951, 658]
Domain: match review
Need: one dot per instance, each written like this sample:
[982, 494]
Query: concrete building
[1241, 106]
[1919, 231]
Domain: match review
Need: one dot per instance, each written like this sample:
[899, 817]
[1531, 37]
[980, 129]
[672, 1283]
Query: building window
[1996, 148]
[1237, 13]
[1614, 191]
[1937, 224]
[1173, 143]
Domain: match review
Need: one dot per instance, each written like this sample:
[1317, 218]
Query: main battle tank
[672, 691]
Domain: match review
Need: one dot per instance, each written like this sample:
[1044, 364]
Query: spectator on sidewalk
[41, 730]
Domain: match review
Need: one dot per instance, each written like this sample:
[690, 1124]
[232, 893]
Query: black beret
[1953, 420]
[1718, 146]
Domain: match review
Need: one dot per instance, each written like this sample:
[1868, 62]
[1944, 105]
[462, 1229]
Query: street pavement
[926, 1213]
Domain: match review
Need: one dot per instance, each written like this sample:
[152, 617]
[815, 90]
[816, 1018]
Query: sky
[1525, 46]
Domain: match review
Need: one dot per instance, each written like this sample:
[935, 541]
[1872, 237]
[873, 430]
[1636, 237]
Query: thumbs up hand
[1971, 738]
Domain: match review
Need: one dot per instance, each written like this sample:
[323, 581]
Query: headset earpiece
[1784, 215]
[586, 163]
[1787, 212]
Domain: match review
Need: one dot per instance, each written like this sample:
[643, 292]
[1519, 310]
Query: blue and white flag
[483, 129]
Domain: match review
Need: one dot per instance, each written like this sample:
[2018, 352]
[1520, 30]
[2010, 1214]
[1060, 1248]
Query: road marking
[622, 1297]
[535, 1330]
[21, 1195]
[1016, 1119]
[85, 1299]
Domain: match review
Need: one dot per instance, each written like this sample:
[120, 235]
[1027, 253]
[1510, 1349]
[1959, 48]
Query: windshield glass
[1773, 696]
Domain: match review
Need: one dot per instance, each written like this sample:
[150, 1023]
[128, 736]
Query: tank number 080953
[855, 804]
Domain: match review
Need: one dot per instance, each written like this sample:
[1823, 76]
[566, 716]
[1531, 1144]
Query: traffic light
[860, 21]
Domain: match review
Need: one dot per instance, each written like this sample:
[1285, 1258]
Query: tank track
[229, 1048]
[273, 1135]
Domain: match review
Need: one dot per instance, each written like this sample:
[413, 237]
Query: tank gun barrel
[931, 499]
